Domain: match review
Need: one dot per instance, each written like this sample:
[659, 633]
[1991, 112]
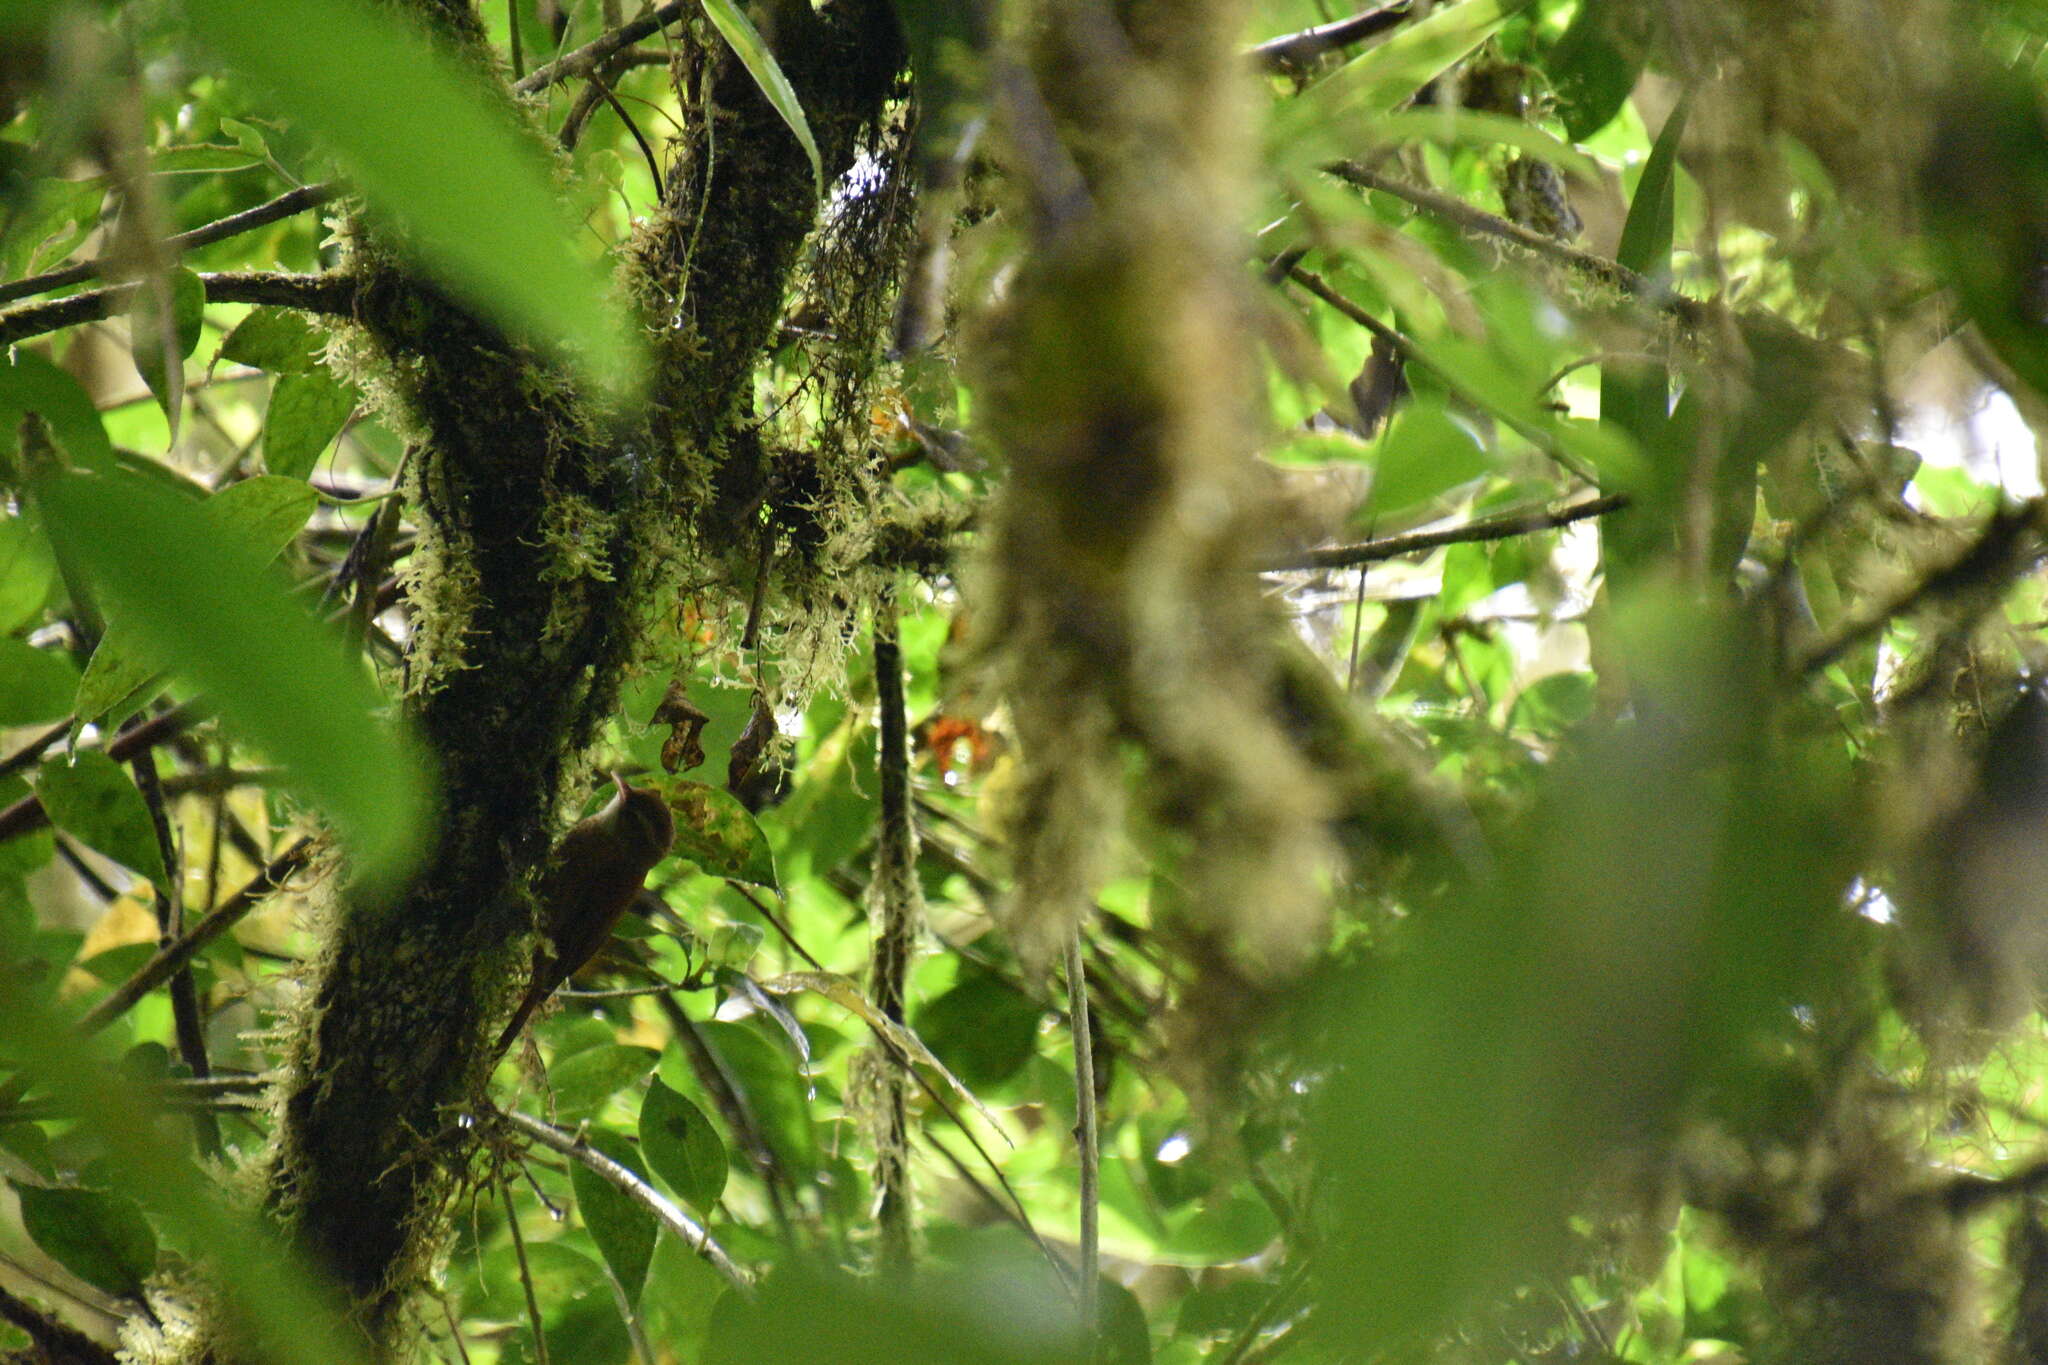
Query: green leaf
[767, 73]
[623, 1230]
[1467, 126]
[26, 570]
[1646, 236]
[266, 513]
[682, 1147]
[433, 150]
[149, 330]
[766, 1076]
[1425, 452]
[91, 798]
[716, 832]
[1381, 77]
[275, 339]
[1635, 396]
[36, 685]
[209, 605]
[1590, 72]
[307, 411]
[583, 1082]
[103, 1239]
[983, 1029]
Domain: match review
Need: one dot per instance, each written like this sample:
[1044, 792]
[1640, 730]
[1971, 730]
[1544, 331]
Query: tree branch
[1293, 51]
[323, 293]
[27, 815]
[248, 220]
[691, 1232]
[1501, 527]
[56, 1342]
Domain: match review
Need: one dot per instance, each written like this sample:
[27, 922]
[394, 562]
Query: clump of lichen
[1122, 614]
[1853, 81]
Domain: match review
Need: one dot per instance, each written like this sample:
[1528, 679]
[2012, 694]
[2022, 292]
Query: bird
[595, 874]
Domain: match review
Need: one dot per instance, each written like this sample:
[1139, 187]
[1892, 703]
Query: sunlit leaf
[1384, 75]
[720, 835]
[91, 797]
[434, 151]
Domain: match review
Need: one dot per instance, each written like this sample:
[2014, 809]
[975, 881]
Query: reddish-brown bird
[597, 871]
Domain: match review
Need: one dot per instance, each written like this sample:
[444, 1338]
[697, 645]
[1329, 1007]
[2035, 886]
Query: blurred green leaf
[683, 1147]
[753, 53]
[1425, 452]
[209, 604]
[31, 383]
[583, 1082]
[266, 513]
[1384, 75]
[623, 1230]
[36, 685]
[162, 365]
[716, 832]
[26, 571]
[1470, 127]
[103, 1239]
[433, 150]
[307, 411]
[91, 798]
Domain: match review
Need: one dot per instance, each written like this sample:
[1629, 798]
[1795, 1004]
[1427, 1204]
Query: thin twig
[1525, 521]
[173, 956]
[540, 1338]
[691, 1232]
[653, 165]
[1085, 1132]
[1456, 210]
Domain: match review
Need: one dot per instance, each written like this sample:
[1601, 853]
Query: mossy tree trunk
[547, 522]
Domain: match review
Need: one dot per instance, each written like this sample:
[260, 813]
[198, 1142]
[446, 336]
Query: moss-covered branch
[546, 519]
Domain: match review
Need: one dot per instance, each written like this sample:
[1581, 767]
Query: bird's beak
[620, 783]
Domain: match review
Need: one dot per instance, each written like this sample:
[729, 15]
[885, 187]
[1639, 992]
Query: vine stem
[896, 911]
[1085, 1133]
